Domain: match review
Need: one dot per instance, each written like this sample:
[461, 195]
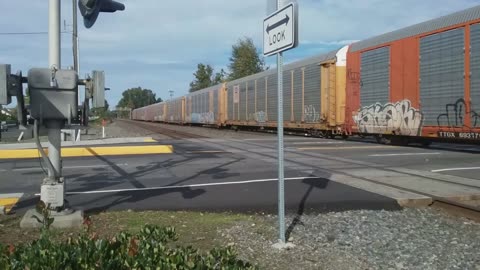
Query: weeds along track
[161, 129]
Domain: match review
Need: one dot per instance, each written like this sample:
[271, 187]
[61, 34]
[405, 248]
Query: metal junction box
[53, 94]
[98, 95]
[4, 77]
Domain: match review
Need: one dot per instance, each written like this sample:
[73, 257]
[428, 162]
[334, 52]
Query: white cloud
[157, 44]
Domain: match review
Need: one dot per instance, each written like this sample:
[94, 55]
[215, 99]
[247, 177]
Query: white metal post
[54, 149]
[54, 33]
[54, 129]
[54, 126]
[281, 180]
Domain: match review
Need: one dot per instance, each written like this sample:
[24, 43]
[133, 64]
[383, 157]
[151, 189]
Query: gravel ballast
[407, 239]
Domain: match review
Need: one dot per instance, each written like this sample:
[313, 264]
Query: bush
[149, 249]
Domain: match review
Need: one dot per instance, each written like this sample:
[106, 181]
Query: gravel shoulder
[408, 239]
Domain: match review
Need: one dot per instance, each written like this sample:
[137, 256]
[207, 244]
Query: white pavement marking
[272, 139]
[456, 169]
[318, 143]
[275, 139]
[2, 170]
[71, 167]
[11, 195]
[185, 186]
[404, 154]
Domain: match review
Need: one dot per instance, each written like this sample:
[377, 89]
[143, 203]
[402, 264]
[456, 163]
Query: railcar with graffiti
[419, 83]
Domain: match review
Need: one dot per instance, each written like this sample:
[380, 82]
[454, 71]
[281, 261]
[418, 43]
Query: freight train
[415, 84]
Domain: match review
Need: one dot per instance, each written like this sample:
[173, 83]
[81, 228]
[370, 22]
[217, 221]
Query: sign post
[280, 33]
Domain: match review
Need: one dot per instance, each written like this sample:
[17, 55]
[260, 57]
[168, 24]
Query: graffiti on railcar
[311, 114]
[455, 113]
[203, 118]
[259, 117]
[399, 118]
[159, 118]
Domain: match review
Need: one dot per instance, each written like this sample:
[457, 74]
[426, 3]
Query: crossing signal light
[91, 8]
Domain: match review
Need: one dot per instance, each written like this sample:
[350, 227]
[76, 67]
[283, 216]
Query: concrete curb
[91, 151]
[8, 202]
[81, 143]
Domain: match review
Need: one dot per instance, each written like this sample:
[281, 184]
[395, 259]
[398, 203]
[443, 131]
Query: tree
[219, 77]
[102, 112]
[245, 59]
[137, 97]
[8, 114]
[203, 78]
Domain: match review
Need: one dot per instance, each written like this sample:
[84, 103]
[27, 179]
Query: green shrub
[149, 249]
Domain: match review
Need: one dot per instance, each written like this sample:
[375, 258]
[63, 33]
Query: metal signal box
[98, 95]
[53, 94]
[5, 98]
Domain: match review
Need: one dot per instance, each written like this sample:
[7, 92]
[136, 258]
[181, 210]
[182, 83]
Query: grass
[200, 230]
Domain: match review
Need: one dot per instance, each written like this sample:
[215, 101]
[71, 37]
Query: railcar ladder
[332, 95]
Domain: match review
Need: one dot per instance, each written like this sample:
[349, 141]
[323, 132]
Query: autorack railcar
[313, 96]
[411, 85]
[420, 81]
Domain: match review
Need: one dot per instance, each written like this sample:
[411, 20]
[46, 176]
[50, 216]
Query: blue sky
[158, 44]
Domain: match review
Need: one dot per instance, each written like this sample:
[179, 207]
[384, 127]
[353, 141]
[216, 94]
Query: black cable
[27, 33]
[41, 163]
[40, 148]
[40, 156]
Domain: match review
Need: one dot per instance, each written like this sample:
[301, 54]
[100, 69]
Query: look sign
[280, 30]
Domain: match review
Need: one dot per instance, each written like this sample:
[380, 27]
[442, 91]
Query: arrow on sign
[277, 24]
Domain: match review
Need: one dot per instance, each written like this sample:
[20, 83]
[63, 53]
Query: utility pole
[171, 94]
[76, 63]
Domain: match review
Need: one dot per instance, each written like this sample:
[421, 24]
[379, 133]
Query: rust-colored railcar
[420, 81]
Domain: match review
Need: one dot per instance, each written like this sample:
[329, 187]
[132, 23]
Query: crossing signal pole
[53, 104]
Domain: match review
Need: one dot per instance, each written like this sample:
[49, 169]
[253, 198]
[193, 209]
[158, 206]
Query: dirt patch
[200, 230]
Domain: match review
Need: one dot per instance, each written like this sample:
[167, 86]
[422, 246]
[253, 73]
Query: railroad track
[457, 208]
[174, 134]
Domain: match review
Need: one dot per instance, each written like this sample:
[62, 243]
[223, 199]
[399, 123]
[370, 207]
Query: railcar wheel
[399, 141]
[382, 139]
[426, 143]
[321, 134]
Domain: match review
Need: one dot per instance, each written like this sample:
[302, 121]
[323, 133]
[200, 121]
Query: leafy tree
[102, 112]
[3, 116]
[245, 59]
[137, 97]
[203, 78]
[219, 77]
[12, 116]
[26, 98]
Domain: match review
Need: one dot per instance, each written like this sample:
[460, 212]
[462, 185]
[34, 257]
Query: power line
[27, 33]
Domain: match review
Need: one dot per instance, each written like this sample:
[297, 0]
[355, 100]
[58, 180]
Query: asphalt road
[10, 135]
[237, 175]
